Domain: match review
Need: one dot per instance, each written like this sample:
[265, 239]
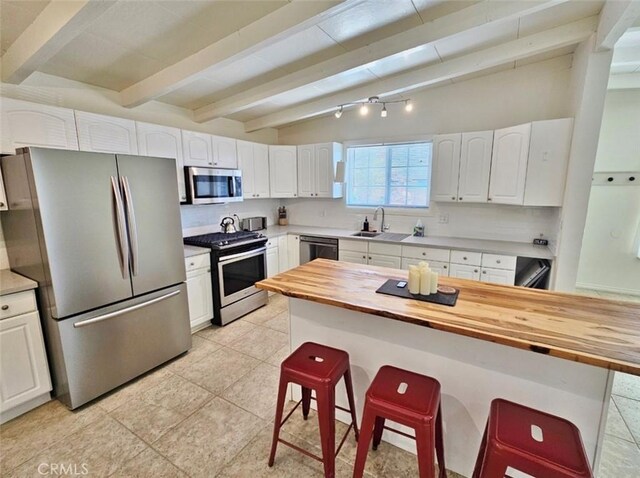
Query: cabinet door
[547, 165]
[293, 250]
[446, 167]
[509, 164]
[163, 142]
[306, 171]
[246, 165]
[498, 276]
[384, 261]
[323, 170]
[32, 124]
[442, 268]
[464, 271]
[197, 149]
[261, 170]
[283, 253]
[273, 263]
[225, 154]
[200, 298]
[475, 165]
[24, 373]
[352, 256]
[106, 134]
[283, 171]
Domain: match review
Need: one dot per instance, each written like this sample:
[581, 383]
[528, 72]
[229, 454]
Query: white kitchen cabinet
[445, 167]
[475, 166]
[163, 142]
[293, 250]
[253, 161]
[32, 124]
[426, 253]
[393, 262]
[306, 170]
[283, 253]
[225, 153]
[316, 170]
[509, 164]
[106, 134]
[498, 276]
[352, 256]
[549, 150]
[24, 371]
[273, 262]
[464, 271]
[197, 149]
[442, 268]
[199, 292]
[283, 171]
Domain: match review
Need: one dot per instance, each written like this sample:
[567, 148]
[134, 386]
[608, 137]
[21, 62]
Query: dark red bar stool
[412, 400]
[320, 368]
[530, 441]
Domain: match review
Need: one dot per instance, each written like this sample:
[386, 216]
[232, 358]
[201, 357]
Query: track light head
[408, 106]
[338, 112]
[364, 109]
[383, 112]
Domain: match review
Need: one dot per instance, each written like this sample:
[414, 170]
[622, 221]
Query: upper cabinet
[475, 166]
[446, 167]
[316, 170]
[253, 160]
[106, 134]
[163, 142]
[197, 149]
[225, 154]
[32, 124]
[283, 171]
[509, 164]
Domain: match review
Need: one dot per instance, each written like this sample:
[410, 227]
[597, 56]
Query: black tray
[390, 288]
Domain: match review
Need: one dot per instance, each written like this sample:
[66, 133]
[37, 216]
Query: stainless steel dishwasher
[317, 248]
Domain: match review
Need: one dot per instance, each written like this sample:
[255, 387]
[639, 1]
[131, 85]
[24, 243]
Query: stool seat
[316, 363]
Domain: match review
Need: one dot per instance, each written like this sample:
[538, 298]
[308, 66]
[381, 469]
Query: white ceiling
[136, 39]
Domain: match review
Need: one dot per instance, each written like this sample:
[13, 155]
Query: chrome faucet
[383, 226]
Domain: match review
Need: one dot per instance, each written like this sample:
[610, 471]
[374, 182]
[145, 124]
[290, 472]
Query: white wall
[199, 219]
[533, 92]
[608, 259]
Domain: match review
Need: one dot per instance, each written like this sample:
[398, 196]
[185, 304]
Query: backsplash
[206, 218]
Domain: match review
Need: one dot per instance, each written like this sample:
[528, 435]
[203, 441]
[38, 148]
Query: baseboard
[14, 412]
[604, 288]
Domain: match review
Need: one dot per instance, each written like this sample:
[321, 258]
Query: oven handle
[253, 252]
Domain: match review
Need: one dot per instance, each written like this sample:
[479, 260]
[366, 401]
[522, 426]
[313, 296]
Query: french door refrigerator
[101, 234]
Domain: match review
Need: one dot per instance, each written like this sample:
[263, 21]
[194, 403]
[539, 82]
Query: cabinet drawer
[442, 268]
[355, 246]
[498, 261]
[16, 304]
[273, 242]
[386, 249]
[466, 257]
[196, 262]
[426, 253]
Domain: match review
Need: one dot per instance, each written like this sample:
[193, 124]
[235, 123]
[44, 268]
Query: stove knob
[226, 243]
[221, 243]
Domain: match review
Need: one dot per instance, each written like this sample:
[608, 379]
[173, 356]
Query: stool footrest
[399, 432]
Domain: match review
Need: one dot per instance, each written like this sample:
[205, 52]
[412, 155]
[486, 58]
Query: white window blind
[394, 175]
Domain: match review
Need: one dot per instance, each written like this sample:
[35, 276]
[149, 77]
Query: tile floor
[209, 413]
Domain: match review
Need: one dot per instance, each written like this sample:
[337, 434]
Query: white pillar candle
[425, 281]
[434, 282]
[423, 265]
[414, 280]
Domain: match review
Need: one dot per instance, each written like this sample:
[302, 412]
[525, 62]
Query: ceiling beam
[57, 24]
[463, 20]
[552, 39]
[615, 18]
[277, 25]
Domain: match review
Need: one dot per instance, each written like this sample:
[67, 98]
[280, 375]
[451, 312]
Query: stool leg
[282, 392]
[377, 432]
[492, 465]
[425, 447]
[481, 452]
[306, 402]
[366, 431]
[326, 418]
[352, 403]
[440, 444]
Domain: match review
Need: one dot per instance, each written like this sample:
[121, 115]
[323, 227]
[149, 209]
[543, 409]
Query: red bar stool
[412, 400]
[320, 368]
[530, 441]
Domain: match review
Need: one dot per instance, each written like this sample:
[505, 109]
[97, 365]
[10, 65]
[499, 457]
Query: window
[395, 175]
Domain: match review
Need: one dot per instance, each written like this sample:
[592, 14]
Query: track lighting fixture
[364, 109]
[338, 112]
[383, 112]
[408, 106]
[373, 100]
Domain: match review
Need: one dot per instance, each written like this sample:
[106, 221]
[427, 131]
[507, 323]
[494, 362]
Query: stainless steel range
[238, 261]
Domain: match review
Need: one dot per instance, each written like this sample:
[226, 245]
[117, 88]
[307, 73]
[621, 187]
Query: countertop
[190, 251]
[594, 331]
[10, 282]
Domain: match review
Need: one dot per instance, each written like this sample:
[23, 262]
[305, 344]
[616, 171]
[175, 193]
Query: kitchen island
[551, 351]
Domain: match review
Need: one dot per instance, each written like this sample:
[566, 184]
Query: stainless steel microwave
[213, 186]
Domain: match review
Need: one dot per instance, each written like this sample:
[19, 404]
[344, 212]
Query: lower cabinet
[293, 250]
[384, 261]
[283, 253]
[352, 256]
[442, 268]
[464, 271]
[498, 276]
[199, 291]
[24, 371]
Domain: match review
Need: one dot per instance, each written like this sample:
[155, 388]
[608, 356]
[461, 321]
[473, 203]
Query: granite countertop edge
[12, 282]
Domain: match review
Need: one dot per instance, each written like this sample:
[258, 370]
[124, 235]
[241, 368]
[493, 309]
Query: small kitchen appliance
[254, 223]
[213, 186]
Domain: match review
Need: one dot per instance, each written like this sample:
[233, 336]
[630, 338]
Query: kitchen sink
[366, 234]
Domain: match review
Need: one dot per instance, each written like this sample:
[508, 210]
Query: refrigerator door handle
[122, 234]
[133, 227]
[111, 315]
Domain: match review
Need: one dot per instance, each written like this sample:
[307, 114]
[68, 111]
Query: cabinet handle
[192, 264]
[424, 253]
[453, 197]
[464, 258]
[488, 199]
[484, 272]
[369, 257]
[460, 198]
[208, 270]
[475, 270]
[1, 204]
[294, 194]
[5, 307]
[498, 261]
[444, 267]
[364, 257]
[184, 197]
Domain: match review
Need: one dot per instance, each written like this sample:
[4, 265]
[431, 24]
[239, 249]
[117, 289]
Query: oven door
[213, 186]
[238, 273]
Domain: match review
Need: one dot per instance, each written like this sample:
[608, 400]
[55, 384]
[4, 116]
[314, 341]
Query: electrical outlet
[443, 219]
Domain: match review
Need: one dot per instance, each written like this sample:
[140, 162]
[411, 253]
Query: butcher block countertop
[600, 332]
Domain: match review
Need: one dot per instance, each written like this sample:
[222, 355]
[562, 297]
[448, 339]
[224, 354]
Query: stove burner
[217, 240]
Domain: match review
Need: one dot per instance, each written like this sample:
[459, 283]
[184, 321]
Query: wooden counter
[593, 331]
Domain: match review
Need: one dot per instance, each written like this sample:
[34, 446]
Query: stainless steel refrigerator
[101, 234]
